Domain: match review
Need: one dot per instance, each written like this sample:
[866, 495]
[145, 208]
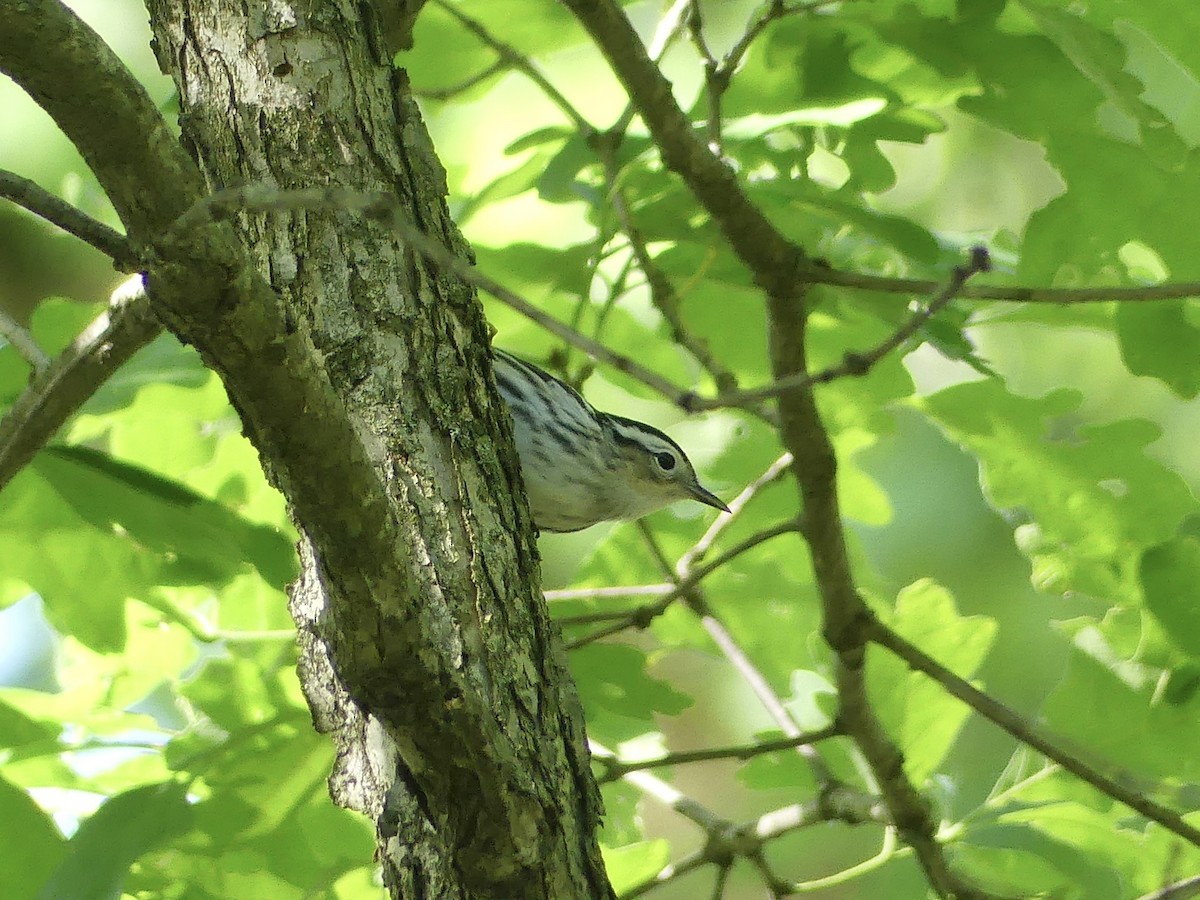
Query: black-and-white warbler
[582, 466]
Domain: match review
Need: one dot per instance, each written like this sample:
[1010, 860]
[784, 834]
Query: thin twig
[771, 12]
[75, 375]
[721, 881]
[23, 342]
[515, 59]
[386, 208]
[644, 615]
[615, 767]
[466, 84]
[670, 26]
[740, 660]
[772, 258]
[1013, 293]
[29, 195]
[699, 550]
[856, 364]
[758, 683]
[888, 850]
[715, 82]
[671, 871]
[601, 593]
[1017, 726]
[749, 839]
[667, 794]
[663, 295]
[1180, 890]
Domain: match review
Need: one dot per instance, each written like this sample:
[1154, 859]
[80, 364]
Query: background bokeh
[187, 664]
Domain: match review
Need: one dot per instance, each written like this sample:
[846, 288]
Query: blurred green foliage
[1019, 484]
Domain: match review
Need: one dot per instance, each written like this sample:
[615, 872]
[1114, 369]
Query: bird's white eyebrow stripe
[638, 428]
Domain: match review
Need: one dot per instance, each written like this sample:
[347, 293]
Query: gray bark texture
[361, 375]
[456, 727]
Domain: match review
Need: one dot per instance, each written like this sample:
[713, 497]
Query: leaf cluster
[1016, 480]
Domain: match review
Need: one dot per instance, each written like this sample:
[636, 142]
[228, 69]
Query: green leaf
[164, 361]
[1098, 56]
[55, 323]
[197, 538]
[919, 713]
[617, 692]
[1101, 688]
[30, 839]
[1160, 341]
[560, 181]
[1020, 859]
[1170, 576]
[123, 829]
[18, 728]
[632, 864]
[1087, 498]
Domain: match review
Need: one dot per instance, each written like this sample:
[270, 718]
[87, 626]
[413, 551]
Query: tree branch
[855, 364]
[644, 615]
[999, 714]
[386, 208]
[103, 110]
[29, 195]
[1180, 890]
[58, 391]
[772, 258]
[23, 342]
[1015, 293]
[615, 767]
[843, 610]
[513, 58]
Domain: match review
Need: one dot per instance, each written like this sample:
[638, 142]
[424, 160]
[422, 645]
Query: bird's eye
[665, 460]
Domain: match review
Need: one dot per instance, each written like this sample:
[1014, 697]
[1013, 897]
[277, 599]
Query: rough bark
[361, 376]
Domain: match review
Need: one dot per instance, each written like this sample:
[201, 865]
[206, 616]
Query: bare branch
[857, 364]
[58, 391]
[772, 258]
[670, 26]
[770, 12]
[888, 851]
[668, 795]
[726, 841]
[513, 58]
[466, 84]
[773, 473]
[40, 202]
[637, 590]
[1014, 293]
[615, 768]
[644, 615]
[104, 111]
[1180, 890]
[386, 207]
[23, 342]
[662, 292]
[842, 608]
[670, 872]
[1008, 720]
[715, 82]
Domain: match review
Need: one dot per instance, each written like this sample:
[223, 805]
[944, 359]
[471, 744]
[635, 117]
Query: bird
[582, 466]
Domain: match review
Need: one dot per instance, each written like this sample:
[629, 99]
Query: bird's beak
[708, 498]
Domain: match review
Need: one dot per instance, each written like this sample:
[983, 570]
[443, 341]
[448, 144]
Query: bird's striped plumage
[582, 466]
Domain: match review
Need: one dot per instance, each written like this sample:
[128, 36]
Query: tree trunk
[426, 649]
